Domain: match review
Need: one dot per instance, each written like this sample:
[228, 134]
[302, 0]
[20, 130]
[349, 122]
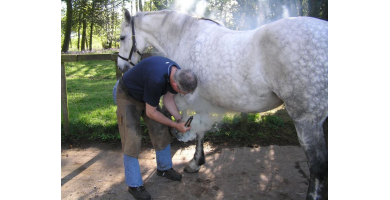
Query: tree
[160, 4]
[90, 19]
[314, 8]
[109, 22]
[78, 32]
[84, 33]
[318, 9]
[324, 10]
[68, 28]
[140, 5]
[246, 18]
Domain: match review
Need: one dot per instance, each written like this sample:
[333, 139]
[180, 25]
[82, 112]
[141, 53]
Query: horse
[252, 71]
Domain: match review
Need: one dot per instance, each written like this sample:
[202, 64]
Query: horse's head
[161, 29]
[131, 44]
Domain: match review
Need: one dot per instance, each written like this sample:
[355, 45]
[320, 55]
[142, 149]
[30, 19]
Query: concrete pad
[272, 172]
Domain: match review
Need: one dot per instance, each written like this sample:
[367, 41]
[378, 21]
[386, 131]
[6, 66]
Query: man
[138, 95]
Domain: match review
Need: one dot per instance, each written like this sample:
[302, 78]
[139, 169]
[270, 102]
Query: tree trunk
[314, 8]
[299, 8]
[78, 32]
[86, 43]
[68, 29]
[324, 9]
[90, 37]
[140, 5]
[84, 35]
[64, 100]
[92, 23]
[112, 28]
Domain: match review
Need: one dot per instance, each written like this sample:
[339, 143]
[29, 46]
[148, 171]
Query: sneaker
[139, 193]
[170, 174]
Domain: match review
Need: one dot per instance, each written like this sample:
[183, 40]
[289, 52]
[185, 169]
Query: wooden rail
[77, 58]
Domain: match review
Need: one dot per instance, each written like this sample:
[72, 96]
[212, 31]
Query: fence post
[118, 73]
[114, 57]
[64, 99]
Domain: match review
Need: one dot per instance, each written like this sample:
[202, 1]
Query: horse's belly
[243, 102]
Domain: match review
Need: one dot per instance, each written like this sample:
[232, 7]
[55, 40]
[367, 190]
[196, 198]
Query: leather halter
[134, 46]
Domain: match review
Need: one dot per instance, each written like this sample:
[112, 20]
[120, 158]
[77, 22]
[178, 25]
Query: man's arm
[170, 105]
[154, 114]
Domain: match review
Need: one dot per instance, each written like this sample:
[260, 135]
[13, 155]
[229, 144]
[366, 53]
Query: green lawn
[92, 111]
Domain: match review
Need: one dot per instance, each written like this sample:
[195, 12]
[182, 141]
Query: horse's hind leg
[312, 140]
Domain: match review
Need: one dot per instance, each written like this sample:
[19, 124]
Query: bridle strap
[122, 57]
[134, 46]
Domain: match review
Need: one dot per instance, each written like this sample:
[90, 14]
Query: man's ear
[174, 85]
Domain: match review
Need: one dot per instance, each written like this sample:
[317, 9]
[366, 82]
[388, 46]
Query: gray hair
[186, 79]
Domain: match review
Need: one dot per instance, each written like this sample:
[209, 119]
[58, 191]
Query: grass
[92, 112]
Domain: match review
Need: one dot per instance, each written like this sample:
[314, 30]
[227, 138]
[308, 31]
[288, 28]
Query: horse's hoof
[192, 167]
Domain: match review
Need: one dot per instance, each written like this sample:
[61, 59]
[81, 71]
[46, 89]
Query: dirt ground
[95, 171]
[234, 169]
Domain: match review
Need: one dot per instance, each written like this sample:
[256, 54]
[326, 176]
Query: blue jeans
[133, 176]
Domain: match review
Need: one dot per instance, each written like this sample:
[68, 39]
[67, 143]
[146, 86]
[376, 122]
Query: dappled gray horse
[245, 71]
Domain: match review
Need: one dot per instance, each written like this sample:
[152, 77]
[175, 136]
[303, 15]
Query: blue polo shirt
[149, 79]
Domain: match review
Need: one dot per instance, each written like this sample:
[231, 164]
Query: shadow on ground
[95, 171]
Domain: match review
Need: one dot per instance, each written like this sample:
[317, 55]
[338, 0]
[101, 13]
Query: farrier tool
[188, 123]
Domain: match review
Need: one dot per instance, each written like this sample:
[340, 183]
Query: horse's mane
[176, 24]
[202, 18]
[168, 13]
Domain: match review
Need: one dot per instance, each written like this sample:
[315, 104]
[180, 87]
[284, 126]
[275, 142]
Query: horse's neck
[174, 35]
[168, 37]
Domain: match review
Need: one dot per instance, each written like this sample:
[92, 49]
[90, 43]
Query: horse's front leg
[312, 140]
[198, 159]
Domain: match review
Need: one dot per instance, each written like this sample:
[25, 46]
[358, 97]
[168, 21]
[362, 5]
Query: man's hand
[154, 114]
[181, 127]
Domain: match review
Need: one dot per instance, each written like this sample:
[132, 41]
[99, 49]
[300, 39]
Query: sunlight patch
[101, 116]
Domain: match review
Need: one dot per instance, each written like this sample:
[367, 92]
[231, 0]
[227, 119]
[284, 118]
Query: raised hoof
[192, 167]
